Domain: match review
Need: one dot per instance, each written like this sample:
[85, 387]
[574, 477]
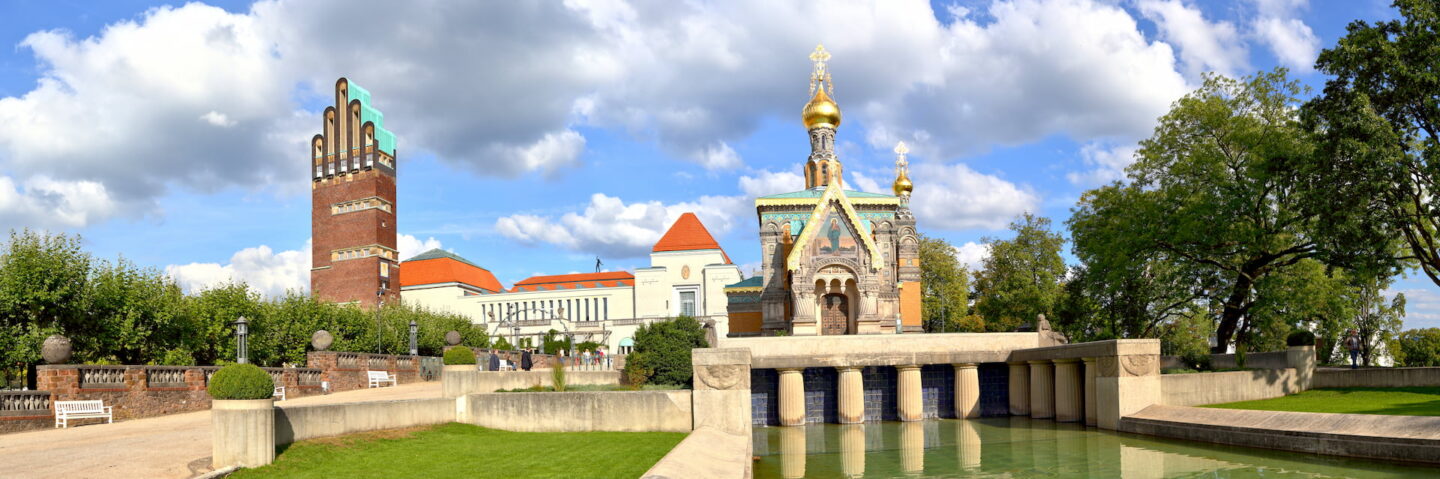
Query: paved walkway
[175, 446]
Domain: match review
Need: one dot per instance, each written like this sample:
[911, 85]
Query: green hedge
[459, 355]
[1300, 337]
[241, 381]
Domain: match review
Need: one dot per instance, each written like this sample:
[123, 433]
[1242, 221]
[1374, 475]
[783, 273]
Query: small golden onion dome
[821, 111]
[902, 186]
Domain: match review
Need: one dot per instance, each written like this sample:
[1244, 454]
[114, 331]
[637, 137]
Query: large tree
[1219, 193]
[1021, 279]
[946, 288]
[1381, 118]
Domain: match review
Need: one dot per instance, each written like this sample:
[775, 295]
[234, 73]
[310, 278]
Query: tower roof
[688, 234]
[440, 266]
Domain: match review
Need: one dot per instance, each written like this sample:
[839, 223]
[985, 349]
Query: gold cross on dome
[820, 56]
[901, 149]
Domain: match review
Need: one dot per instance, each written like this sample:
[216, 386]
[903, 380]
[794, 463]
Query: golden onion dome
[902, 185]
[821, 111]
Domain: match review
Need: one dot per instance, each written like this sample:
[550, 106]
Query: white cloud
[1294, 44]
[972, 255]
[1422, 307]
[718, 157]
[955, 197]
[613, 229]
[410, 246]
[867, 184]
[1107, 163]
[766, 182]
[47, 203]
[261, 268]
[1205, 46]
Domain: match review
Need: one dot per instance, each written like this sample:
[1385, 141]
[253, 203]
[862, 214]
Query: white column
[792, 397]
[1019, 389]
[1069, 391]
[908, 389]
[967, 391]
[1090, 417]
[1042, 389]
[852, 395]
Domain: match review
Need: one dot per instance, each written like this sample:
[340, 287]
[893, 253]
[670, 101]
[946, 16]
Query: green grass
[463, 450]
[1388, 401]
[593, 387]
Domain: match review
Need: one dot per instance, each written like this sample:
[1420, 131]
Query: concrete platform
[1396, 438]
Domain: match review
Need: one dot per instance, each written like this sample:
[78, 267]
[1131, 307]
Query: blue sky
[534, 137]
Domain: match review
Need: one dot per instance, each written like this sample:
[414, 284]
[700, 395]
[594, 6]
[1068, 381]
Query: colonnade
[1061, 389]
[851, 394]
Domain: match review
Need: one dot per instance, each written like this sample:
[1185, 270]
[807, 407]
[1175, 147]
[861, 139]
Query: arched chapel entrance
[834, 314]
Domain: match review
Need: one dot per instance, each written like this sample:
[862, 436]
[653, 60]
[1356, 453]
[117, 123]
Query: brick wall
[353, 279]
[349, 371]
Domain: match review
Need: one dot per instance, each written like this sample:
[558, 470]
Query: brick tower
[352, 205]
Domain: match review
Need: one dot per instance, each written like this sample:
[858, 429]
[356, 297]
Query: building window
[687, 303]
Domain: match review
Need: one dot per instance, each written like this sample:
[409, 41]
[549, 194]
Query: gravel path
[175, 446]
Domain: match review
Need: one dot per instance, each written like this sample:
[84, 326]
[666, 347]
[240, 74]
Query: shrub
[1300, 337]
[459, 355]
[241, 381]
[663, 349]
[557, 375]
[635, 371]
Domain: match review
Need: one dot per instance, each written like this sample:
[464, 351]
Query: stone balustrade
[21, 410]
[347, 371]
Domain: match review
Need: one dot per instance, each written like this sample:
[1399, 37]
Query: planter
[459, 379]
[242, 432]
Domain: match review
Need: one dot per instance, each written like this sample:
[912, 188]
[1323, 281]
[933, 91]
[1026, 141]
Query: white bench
[378, 378]
[279, 392]
[506, 366]
[67, 410]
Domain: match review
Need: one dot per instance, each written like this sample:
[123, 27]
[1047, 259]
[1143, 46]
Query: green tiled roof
[440, 253]
[384, 139]
[751, 282]
[816, 192]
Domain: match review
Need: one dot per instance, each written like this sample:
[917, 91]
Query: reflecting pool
[1019, 447]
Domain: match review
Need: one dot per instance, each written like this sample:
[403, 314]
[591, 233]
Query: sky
[535, 137]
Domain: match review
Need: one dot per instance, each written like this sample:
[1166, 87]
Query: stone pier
[852, 396]
[1069, 391]
[1042, 389]
[792, 397]
[967, 391]
[1090, 417]
[909, 400]
[1019, 389]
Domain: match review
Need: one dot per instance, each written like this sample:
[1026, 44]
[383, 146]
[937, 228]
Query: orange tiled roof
[445, 269]
[688, 233]
[575, 281]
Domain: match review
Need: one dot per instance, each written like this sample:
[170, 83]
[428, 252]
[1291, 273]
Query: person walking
[1352, 342]
[586, 357]
[494, 361]
[525, 360]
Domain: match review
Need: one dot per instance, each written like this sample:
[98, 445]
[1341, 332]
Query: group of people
[527, 360]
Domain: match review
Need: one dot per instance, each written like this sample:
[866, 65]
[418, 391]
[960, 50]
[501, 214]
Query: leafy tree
[1381, 119]
[1378, 320]
[139, 312]
[1418, 348]
[663, 348]
[1021, 279]
[946, 288]
[1219, 192]
[42, 288]
[1307, 295]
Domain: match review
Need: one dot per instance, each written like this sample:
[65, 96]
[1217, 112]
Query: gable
[824, 236]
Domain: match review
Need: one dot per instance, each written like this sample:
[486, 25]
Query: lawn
[1389, 401]
[463, 450]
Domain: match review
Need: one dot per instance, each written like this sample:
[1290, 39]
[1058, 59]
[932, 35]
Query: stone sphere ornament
[452, 338]
[56, 349]
[322, 340]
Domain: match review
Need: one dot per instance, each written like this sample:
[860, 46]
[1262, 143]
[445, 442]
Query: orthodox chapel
[834, 261]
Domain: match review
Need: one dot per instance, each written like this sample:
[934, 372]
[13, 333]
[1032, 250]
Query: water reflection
[1017, 447]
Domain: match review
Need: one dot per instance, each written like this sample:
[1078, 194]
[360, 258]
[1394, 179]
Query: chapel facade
[834, 261]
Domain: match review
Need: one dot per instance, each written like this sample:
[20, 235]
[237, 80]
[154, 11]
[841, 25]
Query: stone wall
[1377, 378]
[579, 411]
[22, 410]
[298, 423]
[461, 380]
[1270, 360]
[146, 391]
[347, 371]
[1215, 388]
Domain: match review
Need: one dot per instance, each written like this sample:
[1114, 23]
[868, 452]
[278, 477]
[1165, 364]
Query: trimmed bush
[1300, 337]
[663, 349]
[241, 381]
[459, 355]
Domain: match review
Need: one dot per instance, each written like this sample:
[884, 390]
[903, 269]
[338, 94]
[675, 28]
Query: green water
[1017, 447]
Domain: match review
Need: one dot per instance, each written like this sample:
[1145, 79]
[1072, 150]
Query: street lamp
[515, 338]
[379, 303]
[242, 329]
[414, 349]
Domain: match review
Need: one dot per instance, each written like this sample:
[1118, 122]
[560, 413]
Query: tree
[1381, 118]
[1021, 278]
[1418, 348]
[1377, 319]
[663, 348]
[1220, 192]
[42, 291]
[946, 288]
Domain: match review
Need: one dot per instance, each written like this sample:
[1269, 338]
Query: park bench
[377, 378]
[67, 410]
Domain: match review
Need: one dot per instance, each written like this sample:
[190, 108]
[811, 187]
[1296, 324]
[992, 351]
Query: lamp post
[414, 348]
[242, 329]
[379, 303]
[515, 338]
